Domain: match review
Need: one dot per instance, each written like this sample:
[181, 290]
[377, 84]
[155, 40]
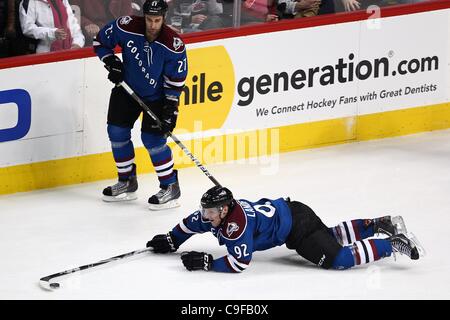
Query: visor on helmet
[208, 213]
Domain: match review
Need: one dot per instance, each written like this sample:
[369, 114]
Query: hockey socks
[161, 157]
[362, 252]
[348, 232]
[123, 150]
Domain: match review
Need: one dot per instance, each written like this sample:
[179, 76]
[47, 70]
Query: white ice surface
[48, 231]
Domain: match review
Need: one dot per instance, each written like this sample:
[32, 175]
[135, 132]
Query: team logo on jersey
[177, 43]
[232, 227]
[125, 20]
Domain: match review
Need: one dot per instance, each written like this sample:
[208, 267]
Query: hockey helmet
[216, 197]
[155, 7]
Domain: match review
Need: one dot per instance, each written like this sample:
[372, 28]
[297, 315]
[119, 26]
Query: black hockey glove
[162, 243]
[115, 67]
[194, 260]
[169, 116]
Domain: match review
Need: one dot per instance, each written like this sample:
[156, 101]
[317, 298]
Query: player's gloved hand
[169, 116]
[194, 260]
[115, 67]
[162, 243]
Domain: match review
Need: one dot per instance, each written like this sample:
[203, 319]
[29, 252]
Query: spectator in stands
[12, 40]
[298, 9]
[327, 7]
[53, 23]
[252, 12]
[256, 11]
[351, 5]
[203, 15]
[96, 13]
[5, 24]
[206, 15]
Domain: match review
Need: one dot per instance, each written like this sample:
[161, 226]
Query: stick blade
[47, 285]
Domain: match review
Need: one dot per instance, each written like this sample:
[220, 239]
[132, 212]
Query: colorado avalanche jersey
[249, 227]
[154, 70]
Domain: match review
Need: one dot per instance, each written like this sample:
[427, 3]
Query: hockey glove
[194, 260]
[162, 243]
[169, 116]
[115, 67]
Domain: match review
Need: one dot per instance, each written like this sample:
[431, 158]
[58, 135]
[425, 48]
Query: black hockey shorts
[310, 237]
[123, 111]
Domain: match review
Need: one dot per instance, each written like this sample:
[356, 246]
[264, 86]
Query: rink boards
[247, 95]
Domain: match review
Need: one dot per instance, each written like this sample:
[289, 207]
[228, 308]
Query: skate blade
[420, 248]
[399, 224]
[121, 197]
[168, 205]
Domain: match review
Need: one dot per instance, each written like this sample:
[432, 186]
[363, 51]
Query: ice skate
[402, 244]
[124, 190]
[166, 198]
[389, 225]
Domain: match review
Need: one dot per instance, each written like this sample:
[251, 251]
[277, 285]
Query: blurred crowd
[34, 26]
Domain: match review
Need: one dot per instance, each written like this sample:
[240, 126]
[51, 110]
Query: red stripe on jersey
[376, 256]
[339, 233]
[356, 230]
[357, 254]
[229, 264]
[181, 230]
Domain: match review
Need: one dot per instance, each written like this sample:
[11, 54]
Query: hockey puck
[54, 285]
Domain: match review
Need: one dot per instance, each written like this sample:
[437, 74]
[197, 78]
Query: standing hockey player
[155, 67]
[245, 227]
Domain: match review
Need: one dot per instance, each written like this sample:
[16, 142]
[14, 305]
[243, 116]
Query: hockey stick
[48, 284]
[174, 138]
